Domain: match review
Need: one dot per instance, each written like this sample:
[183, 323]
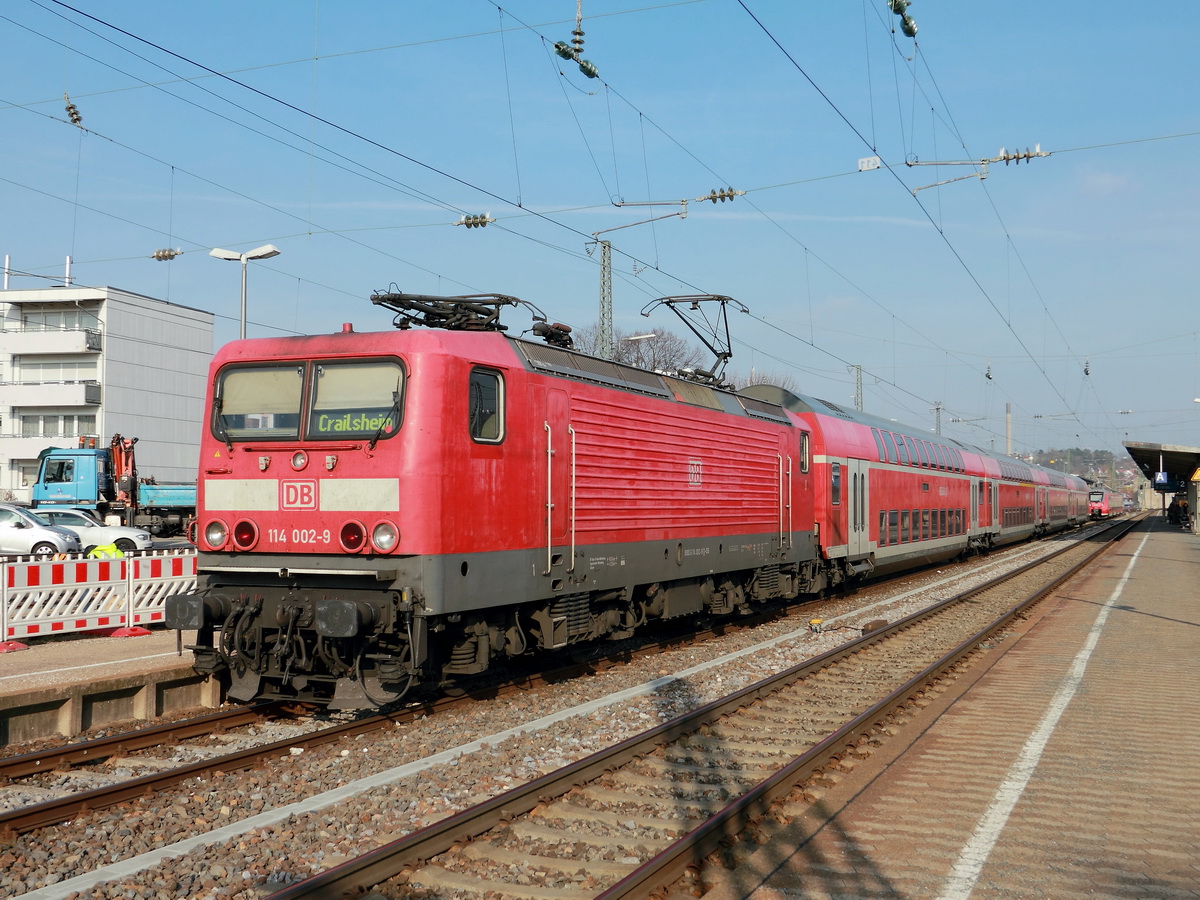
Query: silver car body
[93, 533]
[23, 534]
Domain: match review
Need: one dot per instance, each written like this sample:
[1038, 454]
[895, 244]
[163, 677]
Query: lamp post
[266, 251]
[637, 352]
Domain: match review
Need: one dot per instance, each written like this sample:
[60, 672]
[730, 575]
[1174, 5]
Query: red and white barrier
[39, 598]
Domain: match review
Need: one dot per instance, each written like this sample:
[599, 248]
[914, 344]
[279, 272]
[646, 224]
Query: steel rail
[100, 749]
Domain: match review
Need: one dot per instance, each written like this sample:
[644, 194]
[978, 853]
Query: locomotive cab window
[356, 399]
[258, 403]
[804, 451]
[485, 407]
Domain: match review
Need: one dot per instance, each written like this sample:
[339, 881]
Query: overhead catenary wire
[550, 244]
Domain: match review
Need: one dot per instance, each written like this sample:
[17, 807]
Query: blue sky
[353, 135]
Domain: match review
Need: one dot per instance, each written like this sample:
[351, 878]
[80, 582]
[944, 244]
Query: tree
[779, 379]
[659, 351]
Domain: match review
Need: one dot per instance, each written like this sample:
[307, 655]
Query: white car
[23, 534]
[92, 532]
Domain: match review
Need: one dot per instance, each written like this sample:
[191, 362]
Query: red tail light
[353, 536]
[245, 534]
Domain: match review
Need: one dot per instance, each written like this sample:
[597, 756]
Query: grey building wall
[99, 361]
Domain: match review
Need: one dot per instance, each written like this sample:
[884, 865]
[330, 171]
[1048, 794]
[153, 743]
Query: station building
[90, 362]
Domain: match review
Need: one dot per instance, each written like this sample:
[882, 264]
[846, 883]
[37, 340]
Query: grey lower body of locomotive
[358, 632]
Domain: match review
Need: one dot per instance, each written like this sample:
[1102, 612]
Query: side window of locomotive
[835, 484]
[258, 403]
[804, 451]
[356, 399]
[485, 407]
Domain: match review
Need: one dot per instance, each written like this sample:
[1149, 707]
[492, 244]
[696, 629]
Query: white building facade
[91, 362]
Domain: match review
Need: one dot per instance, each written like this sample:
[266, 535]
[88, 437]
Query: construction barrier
[39, 598]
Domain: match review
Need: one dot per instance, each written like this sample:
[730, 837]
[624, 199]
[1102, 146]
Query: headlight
[384, 536]
[215, 534]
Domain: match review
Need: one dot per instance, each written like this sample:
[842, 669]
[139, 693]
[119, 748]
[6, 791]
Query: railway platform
[67, 685]
[1068, 768]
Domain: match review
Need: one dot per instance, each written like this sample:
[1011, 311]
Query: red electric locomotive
[381, 510]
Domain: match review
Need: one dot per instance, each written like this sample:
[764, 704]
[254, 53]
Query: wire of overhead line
[372, 142]
[347, 131]
[953, 250]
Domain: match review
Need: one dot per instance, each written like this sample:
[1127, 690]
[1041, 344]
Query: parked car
[21, 533]
[92, 532]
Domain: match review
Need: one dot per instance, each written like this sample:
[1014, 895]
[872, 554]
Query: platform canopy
[1178, 463]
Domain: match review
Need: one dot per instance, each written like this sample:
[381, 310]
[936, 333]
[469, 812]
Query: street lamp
[266, 251]
[636, 339]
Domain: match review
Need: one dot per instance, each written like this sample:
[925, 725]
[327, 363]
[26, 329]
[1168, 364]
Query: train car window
[355, 399]
[912, 451]
[485, 407]
[258, 403]
[893, 526]
[879, 445]
[904, 532]
[941, 457]
[804, 451]
[901, 448]
[835, 484]
[922, 455]
[942, 528]
[883, 527]
[924, 524]
[890, 445]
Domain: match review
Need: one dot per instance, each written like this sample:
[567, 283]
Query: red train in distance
[385, 510]
[1103, 502]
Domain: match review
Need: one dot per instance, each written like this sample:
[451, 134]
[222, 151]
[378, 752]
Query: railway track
[86, 754]
[250, 801]
[639, 816]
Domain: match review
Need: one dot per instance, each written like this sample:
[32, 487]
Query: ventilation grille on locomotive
[695, 394]
[762, 409]
[589, 368]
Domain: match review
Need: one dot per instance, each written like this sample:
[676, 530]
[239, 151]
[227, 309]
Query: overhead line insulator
[476, 221]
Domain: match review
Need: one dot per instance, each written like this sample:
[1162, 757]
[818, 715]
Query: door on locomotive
[560, 499]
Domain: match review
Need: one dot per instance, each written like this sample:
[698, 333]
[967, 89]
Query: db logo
[297, 495]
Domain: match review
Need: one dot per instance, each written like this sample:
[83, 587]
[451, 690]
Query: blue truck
[106, 482]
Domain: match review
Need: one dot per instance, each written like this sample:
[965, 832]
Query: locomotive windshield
[259, 402]
[345, 399]
[358, 399]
